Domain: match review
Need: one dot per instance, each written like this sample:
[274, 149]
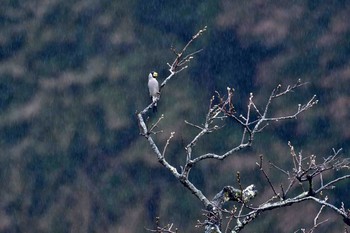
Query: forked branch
[221, 112]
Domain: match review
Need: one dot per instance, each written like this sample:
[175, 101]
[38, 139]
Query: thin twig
[167, 143]
[260, 165]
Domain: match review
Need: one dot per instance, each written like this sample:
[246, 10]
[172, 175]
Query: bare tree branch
[305, 171]
[160, 229]
[301, 177]
[180, 61]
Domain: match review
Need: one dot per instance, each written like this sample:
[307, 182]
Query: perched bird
[153, 87]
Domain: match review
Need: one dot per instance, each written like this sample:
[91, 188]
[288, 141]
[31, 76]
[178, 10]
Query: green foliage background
[73, 73]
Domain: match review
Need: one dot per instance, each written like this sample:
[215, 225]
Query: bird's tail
[154, 99]
[155, 109]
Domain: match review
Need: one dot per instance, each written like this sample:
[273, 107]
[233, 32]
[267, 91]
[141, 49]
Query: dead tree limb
[252, 122]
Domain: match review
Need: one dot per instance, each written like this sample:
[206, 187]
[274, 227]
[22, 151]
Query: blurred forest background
[73, 74]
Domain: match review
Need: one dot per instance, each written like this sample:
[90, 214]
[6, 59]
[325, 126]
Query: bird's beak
[155, 74]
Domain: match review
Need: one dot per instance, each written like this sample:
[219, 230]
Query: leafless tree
[305, 176]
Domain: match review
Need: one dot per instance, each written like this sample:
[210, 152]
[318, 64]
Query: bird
[153, 87]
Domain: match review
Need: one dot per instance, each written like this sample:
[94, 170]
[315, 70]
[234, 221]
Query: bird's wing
[153, 87]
